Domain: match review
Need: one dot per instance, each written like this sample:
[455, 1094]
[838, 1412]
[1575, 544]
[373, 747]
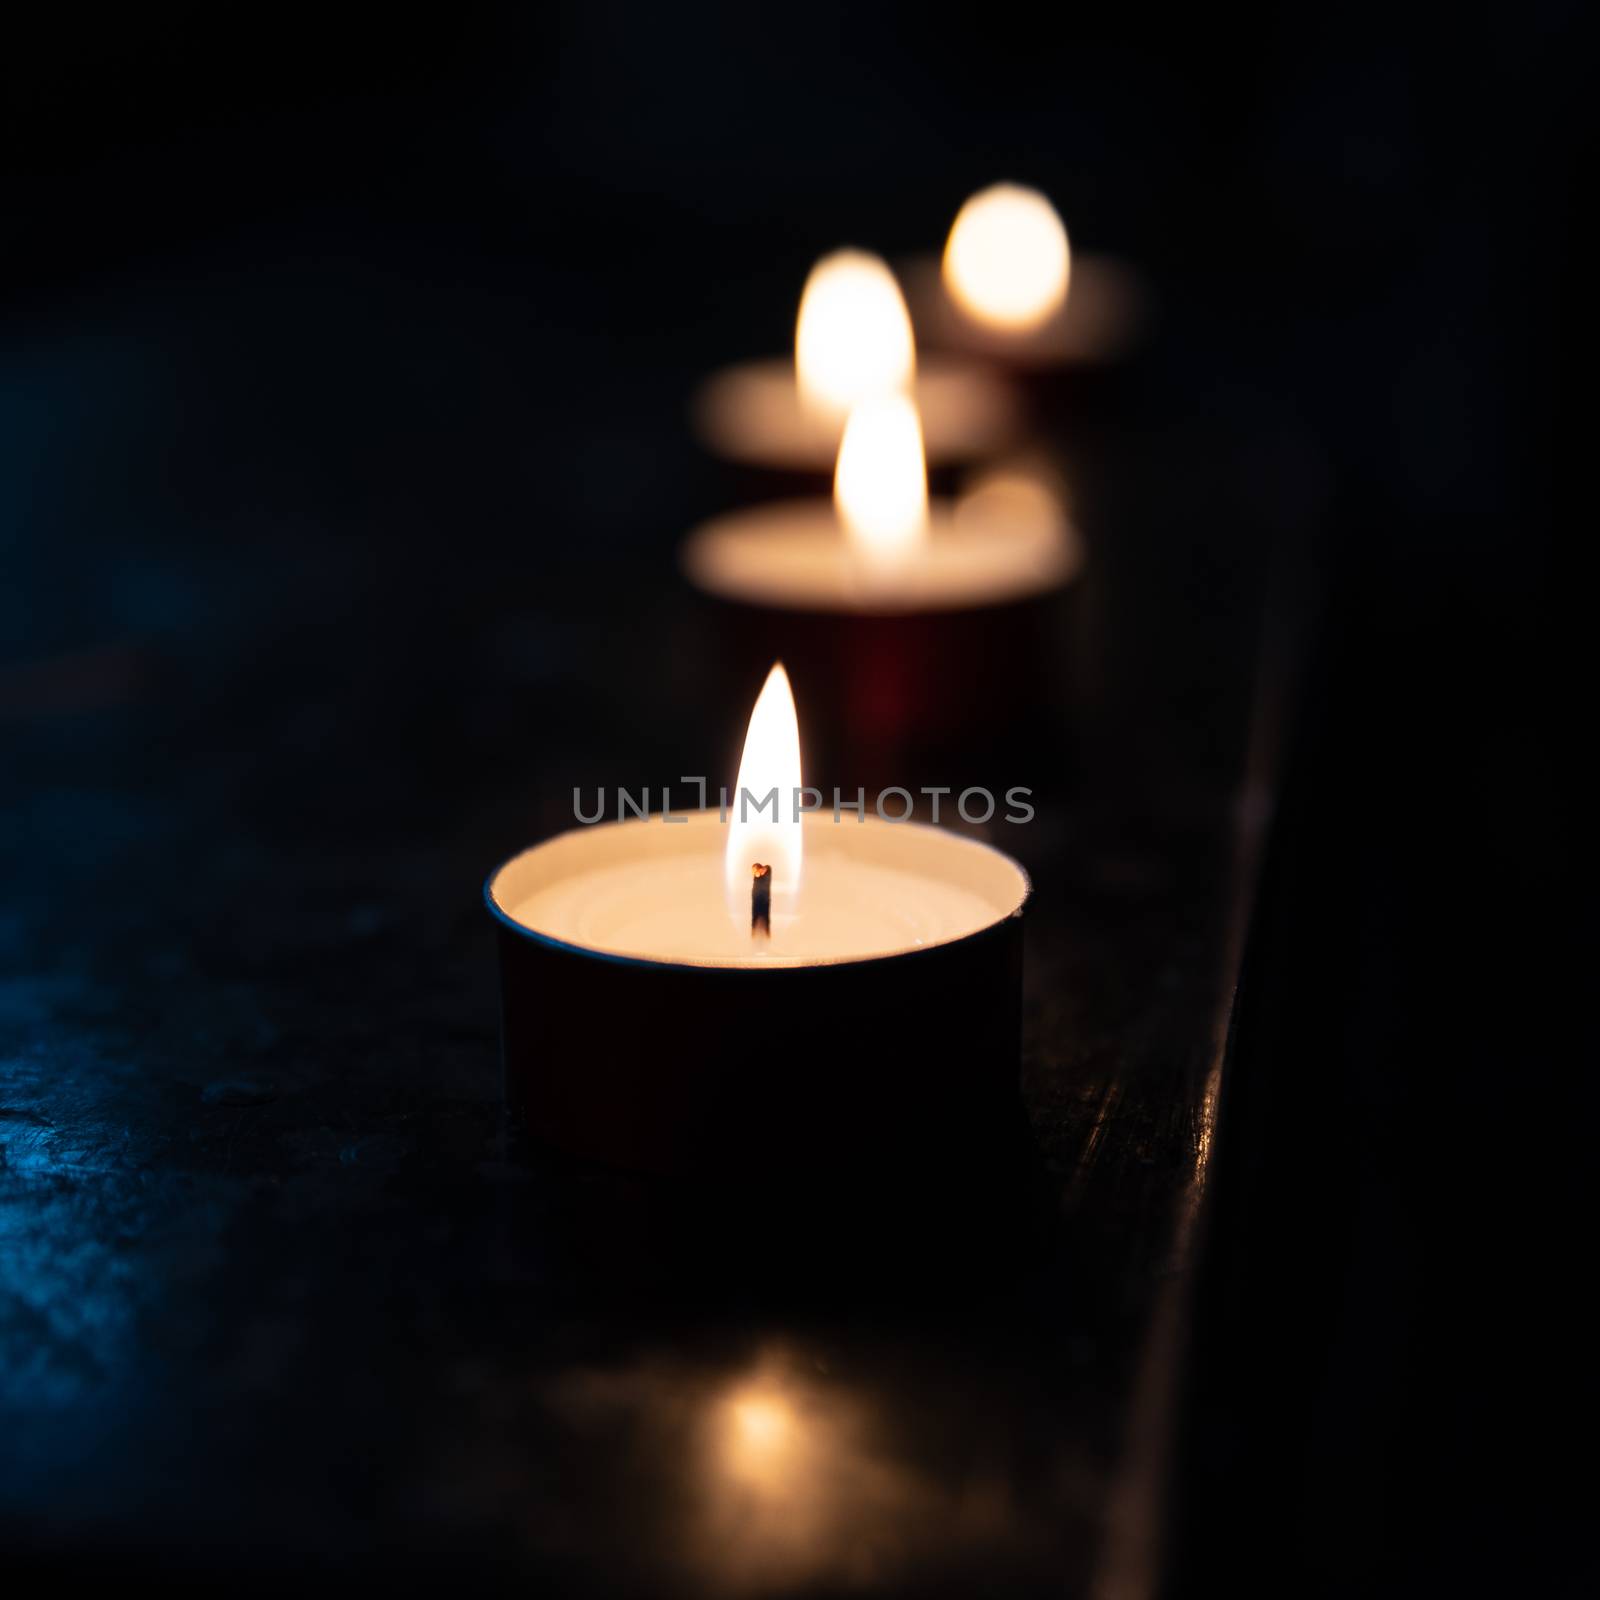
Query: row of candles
[774, 980]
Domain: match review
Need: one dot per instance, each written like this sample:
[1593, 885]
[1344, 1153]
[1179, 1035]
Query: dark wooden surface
[335, 578]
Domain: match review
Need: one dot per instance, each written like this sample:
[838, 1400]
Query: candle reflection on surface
[769, 1469]
[780, 1475]
[794, 1488]
[761, 1425]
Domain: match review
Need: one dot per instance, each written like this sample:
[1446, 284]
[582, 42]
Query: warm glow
[853, 340]
[881, 484]
[1007, 261]
[771, 760]
[760, 1424]
[763, 1440]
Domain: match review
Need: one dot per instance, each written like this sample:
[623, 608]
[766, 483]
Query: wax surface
[652, 890]
[796, 555]
[754, 413]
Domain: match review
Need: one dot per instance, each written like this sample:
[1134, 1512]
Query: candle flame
[853, 339]
[880, 486]
[764, 824]
[1007, 261]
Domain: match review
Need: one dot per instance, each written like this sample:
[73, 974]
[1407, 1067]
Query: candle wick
[760, 902]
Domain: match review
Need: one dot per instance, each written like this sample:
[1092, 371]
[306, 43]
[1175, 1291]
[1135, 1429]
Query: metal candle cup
[842, 1054]
[933, 673]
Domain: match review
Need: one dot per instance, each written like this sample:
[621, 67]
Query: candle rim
[1108, 314]
[784, 518]
[504, 917]
[988, 413]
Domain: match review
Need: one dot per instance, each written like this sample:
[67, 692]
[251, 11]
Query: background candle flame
[771, 759]
[853, 339]
[1007, 261]
[881, 483]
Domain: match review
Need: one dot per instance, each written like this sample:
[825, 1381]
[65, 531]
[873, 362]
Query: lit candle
[853, 343]
[921, 622]
[1007, 261]
[880, 545]
[1009, 286]
[852, 340]
[651, 1020]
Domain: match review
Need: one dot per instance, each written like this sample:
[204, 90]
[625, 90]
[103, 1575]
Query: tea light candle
[919, 621]
[1010, 288]
[880, 546]
[853, 342]
[772, 986]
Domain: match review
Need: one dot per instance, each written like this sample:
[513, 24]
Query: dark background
[343, 362]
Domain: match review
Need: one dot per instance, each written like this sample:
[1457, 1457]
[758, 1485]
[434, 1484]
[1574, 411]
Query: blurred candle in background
[1010, 287]
[880, 486]
[853, 339]
[1007, 261]
[853, 343]
[924, 630]
[880, 545]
